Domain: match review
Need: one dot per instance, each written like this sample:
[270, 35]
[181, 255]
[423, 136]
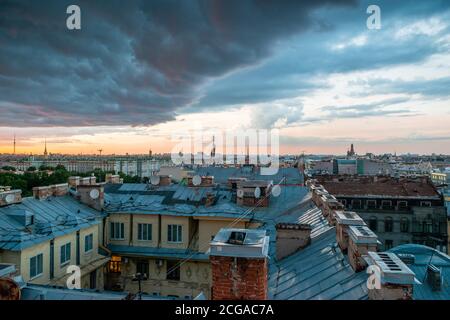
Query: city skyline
[316, 73]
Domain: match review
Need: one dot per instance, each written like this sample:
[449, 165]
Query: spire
[213, 150]
[14, 144]
[45, 150]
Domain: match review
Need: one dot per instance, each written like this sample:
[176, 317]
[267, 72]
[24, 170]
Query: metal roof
[53, 217]
[142, 251]
[423, 256]
[221, 174]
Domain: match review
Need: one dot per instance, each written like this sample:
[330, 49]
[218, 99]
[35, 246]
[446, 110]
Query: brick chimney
[390, 278]
[8, 196]
[92, 195]
[362, 240]
[239, 264]
[112, 178]
[253, 193]
[74, 181]
[345, 219]
[291, 237]
[59, 190]
[42, 193]
[200, 181]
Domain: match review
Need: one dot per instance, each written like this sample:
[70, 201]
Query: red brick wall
[238, 278]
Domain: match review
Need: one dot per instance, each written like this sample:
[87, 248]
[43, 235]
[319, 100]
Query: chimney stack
[253, 193]
[291, 237]
[345, 219]
[239, 264]
[8, 196]
[391, 278]
[56, 190]
[362, 240]
[92, 195]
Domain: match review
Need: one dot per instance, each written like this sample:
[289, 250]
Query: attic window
[237, 237]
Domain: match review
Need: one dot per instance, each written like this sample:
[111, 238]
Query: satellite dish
[197, 180]
[10, 198]
[276, 190]
[240, 193]
[9, 289]
[257, 192]
[154, 180]
[94, 194]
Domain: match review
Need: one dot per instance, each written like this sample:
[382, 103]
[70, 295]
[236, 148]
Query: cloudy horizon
[136, 73]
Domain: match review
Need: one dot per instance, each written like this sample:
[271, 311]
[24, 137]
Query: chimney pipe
[391, 278]
[362, 240]
[291, 237]
[345, 219]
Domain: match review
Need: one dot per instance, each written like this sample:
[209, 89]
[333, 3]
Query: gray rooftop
[52, 217]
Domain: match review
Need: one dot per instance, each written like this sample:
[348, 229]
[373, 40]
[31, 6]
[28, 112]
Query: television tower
[14, 144]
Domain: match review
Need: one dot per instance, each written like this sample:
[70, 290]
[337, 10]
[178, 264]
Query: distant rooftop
[379, 186]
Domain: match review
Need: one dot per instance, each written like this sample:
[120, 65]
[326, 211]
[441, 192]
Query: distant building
[399, 211]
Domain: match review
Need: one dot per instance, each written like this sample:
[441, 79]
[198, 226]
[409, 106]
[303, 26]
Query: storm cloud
[133, 63]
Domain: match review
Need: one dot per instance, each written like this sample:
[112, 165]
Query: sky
[138, 71]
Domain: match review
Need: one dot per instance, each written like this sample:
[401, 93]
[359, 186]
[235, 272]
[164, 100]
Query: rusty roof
[382, 186]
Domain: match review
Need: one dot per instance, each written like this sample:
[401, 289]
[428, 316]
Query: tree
[8, 168]
[32, 169]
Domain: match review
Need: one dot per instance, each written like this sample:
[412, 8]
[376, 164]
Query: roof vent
[237, 237]
[434, 277]
[392, 269]
[407, 258]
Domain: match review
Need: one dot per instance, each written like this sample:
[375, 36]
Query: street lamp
[139, 277]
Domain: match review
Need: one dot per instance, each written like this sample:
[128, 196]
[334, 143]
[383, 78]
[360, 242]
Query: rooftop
[378, 186]
[52, 217]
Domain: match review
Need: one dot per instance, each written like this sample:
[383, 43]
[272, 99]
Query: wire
[230, 225]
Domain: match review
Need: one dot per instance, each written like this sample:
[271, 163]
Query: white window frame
[91, 235]
[140, 233]
[66, 261]
[178, 233]
[117, 233]
[37, 275]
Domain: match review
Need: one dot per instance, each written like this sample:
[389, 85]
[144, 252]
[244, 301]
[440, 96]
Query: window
[144, 231]
[388, 224]
[371, 204]
[386, 204]
[402, 204]
[356, 204]
[65, 254]
[404, 225]
[36, 266]
[88, 242]
[174, 233]
[388, 244]
[344, 202]
[117, 231]
[142, 267]
[373, 223]
[427, 227]
[115, 264]
[173, 270]
[425, 203]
